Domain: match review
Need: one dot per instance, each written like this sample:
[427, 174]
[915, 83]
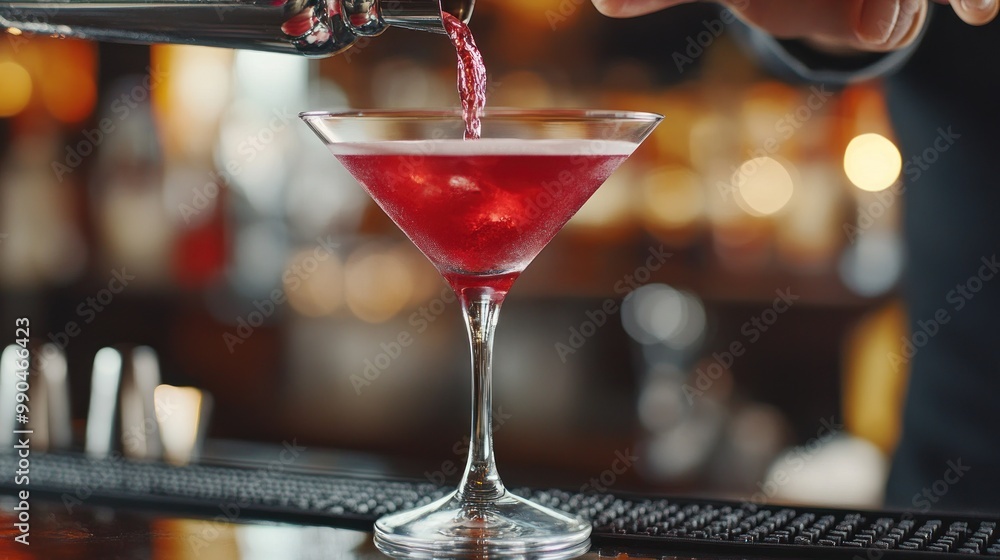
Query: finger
[633, 8]
[976, 12]
[874, 25]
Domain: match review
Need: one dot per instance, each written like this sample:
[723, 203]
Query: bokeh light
[378, 284]
[70, 94]
[321, 287]
[872, 162]
[16, 91]
[191, 88]
[524, 89]
[872, 265]
[658, 313]
[610, 206]
[765, 104]
[671, 197]
[661, 403]
[258, 258]
[763, 185]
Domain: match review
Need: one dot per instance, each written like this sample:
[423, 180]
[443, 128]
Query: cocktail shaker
[314, 28]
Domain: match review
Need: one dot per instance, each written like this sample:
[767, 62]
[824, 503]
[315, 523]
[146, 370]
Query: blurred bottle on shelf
[41, 242]
[126, 185]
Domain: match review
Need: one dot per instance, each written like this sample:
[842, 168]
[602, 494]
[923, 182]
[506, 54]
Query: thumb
[633, 8]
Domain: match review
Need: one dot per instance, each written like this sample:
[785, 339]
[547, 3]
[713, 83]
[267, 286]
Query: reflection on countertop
[68, 529]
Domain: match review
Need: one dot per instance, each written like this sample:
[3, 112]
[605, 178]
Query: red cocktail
[481, 210]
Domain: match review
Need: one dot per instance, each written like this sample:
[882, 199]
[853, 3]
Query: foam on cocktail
[486, 147]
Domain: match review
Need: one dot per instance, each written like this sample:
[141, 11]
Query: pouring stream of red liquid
[471, 74]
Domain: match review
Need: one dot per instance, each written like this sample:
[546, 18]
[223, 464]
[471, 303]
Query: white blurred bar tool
[104, 383]
[125, 381]
[47, 403]
[50, 416]
[8, 389]
[140, 429]
[183, 414]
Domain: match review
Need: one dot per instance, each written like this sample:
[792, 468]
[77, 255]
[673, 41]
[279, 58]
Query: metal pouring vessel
[314, 28]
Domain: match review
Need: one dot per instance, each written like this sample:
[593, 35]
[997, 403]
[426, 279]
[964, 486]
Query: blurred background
[169, 196]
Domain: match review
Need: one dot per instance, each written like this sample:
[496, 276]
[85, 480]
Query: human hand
[870, 25]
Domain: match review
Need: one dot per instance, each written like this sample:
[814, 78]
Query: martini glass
[481, 210]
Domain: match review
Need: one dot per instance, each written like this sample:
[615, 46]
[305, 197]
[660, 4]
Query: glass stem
[481, 483]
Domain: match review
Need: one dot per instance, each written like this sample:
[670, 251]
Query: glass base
[509, 526]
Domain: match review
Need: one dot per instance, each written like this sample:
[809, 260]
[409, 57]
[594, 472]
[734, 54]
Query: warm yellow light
[762, 186]
[672, 197]
[872, 162]
[377, 284]
[16, 90]
[190, 88]
[70, 94]
[609, 206]
[318, 290]
[524, 89]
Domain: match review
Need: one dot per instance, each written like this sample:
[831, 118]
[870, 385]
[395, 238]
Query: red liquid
[479, 217]
[471, 73]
